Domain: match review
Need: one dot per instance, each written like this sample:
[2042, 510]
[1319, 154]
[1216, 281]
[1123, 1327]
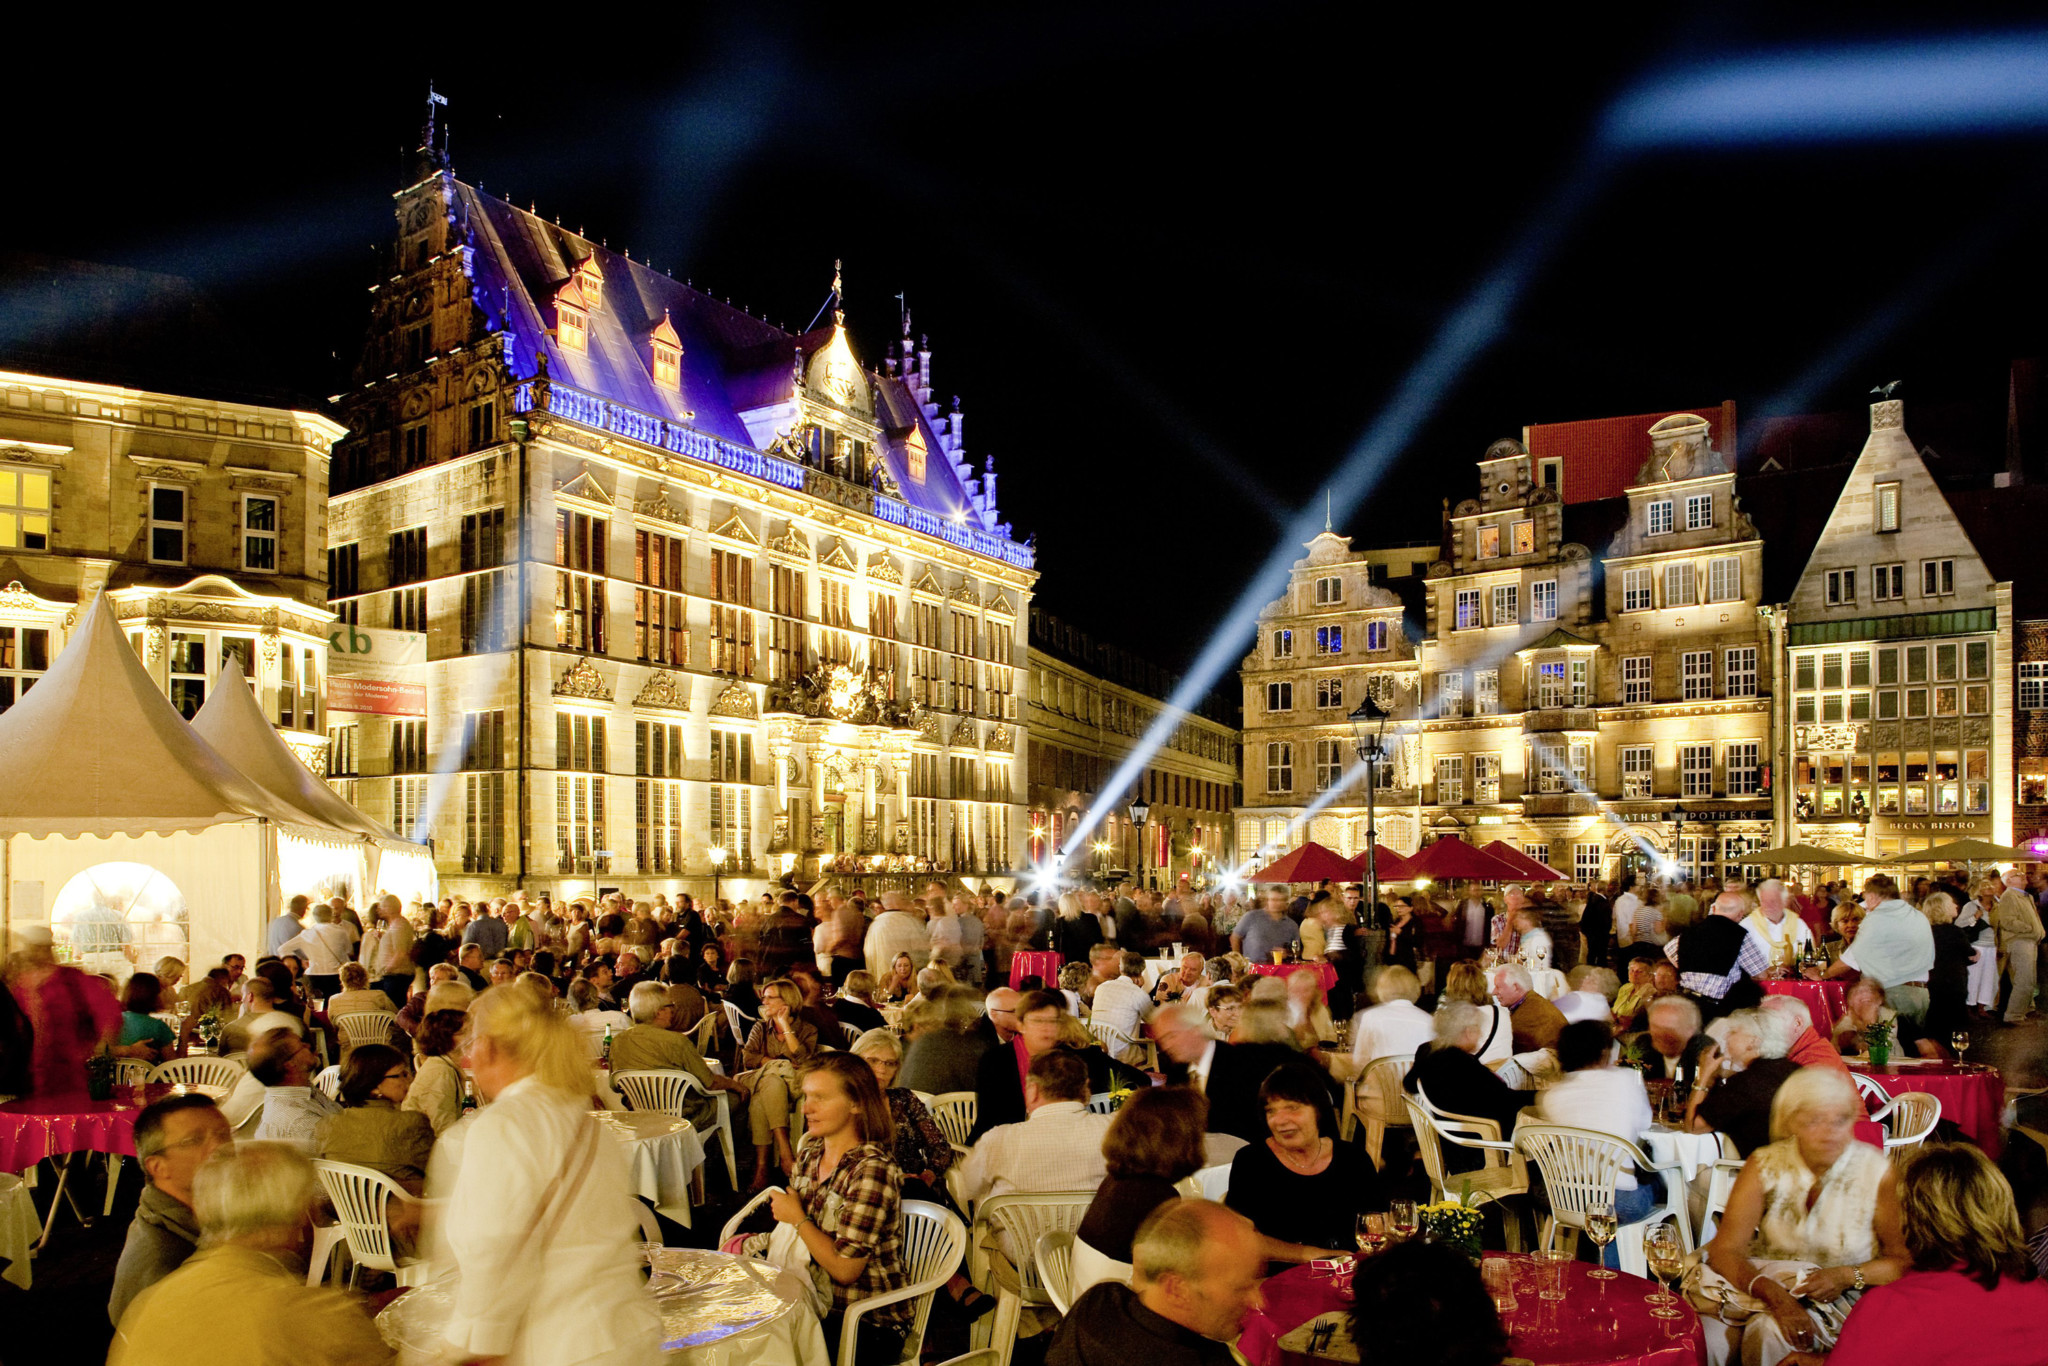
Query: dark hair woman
[1302, 1189]
[371, 1130]
[437, 1083]
[1154, 1141]
[1424, 1304]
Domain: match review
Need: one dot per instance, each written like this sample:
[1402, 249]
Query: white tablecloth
[1693, 1153]
[725, 1314]
[661, 1152]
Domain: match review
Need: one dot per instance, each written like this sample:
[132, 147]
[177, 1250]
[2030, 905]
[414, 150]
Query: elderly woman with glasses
[373, 1130]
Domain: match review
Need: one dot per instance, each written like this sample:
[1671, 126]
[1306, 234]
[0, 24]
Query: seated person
[855, 1004]
[679, 975]
[1196, 1271]
[1675, 1040]
[1594, 1094]
[1154, 1141]
[437, 1081]
[1394, 1025]
[1864, 1013]
[1223, 1007]
[173, 1136]
[372, 1130]
[999, 1077]
[259, 1016]
[415, 1007]
[1738, 1102]
[780, 1043]
[1228, 1074]
[944, 1048]
[1466, 981]
[1421, 1302]
[1970, 1296]
[143, 1035]
[1058, 1146]
[1308, 1010]
[1122, 1004]
[1535, 1020]
[651, 1046]
[900, 984]
[1448, 1071]
[293, 1112]
[357, 998]
[1188, 981]
[590, 1017]
[1110, 1073]
[1808, 1048]
[1301, 1188]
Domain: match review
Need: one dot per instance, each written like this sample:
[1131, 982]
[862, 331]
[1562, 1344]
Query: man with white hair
[235, 1300]
[1719, 960]
[1535, 1021]
[900, 928]
[651, 1046]
[1737, 1100]
[1784, 936]
[1807, 1048]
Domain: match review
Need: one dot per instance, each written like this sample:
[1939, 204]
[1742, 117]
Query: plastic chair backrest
[1909, 1122]
[1019, 1220]
[741, 1024]
[852, 1032]
[1870, 1089]
[650, 1227]
[1112, 1038]
[1054, 1257]
[1102, 1103]
[200, 1069]
[656, 1090]
[1382, 1078]
[703, 1032]
[732, 1225]
[1579, 1166]
[361, 1198]
[933, 1241]
[328, 1082]
[131, 1072]
[1210, 1183]
[954, 1112]
[369, 1026]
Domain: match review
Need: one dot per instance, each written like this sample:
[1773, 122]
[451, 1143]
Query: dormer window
[914, 455]
[572, 327]
[668, 367]
[590, 277]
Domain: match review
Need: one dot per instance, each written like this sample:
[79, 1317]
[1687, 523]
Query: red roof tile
[1603, 455]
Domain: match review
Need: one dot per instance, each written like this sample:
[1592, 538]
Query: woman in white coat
[541, 1200]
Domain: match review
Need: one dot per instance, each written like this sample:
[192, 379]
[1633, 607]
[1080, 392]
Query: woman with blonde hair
[781, 1042]
[1813, 1219]
[1971, 1297]
[541, 1199]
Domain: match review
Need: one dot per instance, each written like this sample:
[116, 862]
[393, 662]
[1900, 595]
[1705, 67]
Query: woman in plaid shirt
[845, 1200]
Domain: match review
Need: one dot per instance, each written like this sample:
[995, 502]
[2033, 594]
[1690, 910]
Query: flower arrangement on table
[1452, 1221]
[1118, 1094]
[209, 1028]
[1877, 1042]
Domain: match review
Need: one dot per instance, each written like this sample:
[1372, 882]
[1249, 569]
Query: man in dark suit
[1229, 1074]
[999, 1078]
[1596, 923]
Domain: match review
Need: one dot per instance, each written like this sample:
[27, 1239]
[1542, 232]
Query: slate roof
[1603, 455]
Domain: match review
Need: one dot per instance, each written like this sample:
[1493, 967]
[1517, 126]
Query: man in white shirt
[1123, 1004]
[1625, 907]
[288, 923]
[898, 929]
[1058, 1148]
[293, 1112]
[1784, 935]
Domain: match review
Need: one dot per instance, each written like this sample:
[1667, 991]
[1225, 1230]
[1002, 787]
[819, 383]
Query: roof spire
[1326, 512]
[838, 298]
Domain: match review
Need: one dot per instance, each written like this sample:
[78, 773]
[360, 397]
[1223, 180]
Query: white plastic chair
[1102, 1103]
[740, 1023]
[1579, 1169]
[1504, 1174]
[1872, 1092]
[732, 1225]
[1007, 1228]
[1116, 1043]
[1908, 1121]
[201, 1069]
[933, 1241]
[1719, 1186]
[1210, 1183]
[1382, 1080]
[367, 1026]
[954, 1112]
[1054, 1257]
[704, 1033]
[663, 1092]
[362, 1204]
[327, 1081]
[131, 1071]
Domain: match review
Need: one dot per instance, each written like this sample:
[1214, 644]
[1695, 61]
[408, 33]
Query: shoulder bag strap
[1491, 1030]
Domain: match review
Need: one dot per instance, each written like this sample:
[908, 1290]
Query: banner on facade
[382, 696]
[367, 650]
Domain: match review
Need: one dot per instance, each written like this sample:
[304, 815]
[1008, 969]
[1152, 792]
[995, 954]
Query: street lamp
[1138, 810]
[1369, 731]
[717, 852]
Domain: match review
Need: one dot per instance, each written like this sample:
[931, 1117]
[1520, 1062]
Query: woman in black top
[1301, 1188]
[1404, 936]
[1154, 1141]
[1948, 984]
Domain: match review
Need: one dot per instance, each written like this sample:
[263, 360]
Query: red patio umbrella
[1515, 858]
[1393, 866]
[1449, 860]
[1310, 863]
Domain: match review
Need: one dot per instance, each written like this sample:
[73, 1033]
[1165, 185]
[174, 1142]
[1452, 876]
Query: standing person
[1074, 934]
[1596, 925]
[1895, 944]
[286, 927]
[1267, 931]
[173, 1137]
[1473, 917]
[389, 958]
[898, 929]
[2018, 921]
[1626, 905]
[324, 946]
[70, 1014]
[1974, 919]
[1719, 959]
[541, 1200]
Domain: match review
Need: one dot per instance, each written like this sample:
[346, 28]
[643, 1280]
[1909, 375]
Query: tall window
[1696, 770]
[1329, 693]
[1468, 609]
[487, 597]
[1586, 862]
[1450, 780]
[1887, 582]
[189, 672]
[1543, 600]
[1279, 767]
[1636, 593]
[166, 524]
[580, 550]
[409, 807]
[2033, 685]
[1745, 772]
[1660, 517]
[344, 581]
[658, 796]
[1279, 697]
[1522, 538]
[1582, 685]
[1329, 764]
[882, 648]
[1329, 640]
[1635, 679]
[786, 654]
[1937, 578]
[259, 533]
[1740, 667]
[1547, 759]
[924, 805]
[732, 613]
[1375, 636]
[483, 424]
[1638, 776]
[1487, 543]
[581, 762]
[1506, 608]
[1678, 585]
[1841, 587]
[24, 656]
[1550, 684]
[1699, 511]
[1485, 778]
[835, 615]
[1724, 579]
[1283, 645]
[298, 687]
[966, 645]
[409, 746]
[407, 564]
[483, 823]
[1696, 675]
[924, 654]
[1486, 692]
[25, 511]
[1451, 694]
[1001, 677]
[1329, 592]
[341, 751]
[1887, 507]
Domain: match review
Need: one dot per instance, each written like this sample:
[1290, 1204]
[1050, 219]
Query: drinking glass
[1601, 1226]
[1665, 1256]
[1498, 1274]
[1960, 1042]
[1550, 1270]
[1372, 1231]
[1403, 1220]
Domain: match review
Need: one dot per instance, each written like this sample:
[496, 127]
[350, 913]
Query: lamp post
[717, 852]
[1369, 731]
[1138, 810]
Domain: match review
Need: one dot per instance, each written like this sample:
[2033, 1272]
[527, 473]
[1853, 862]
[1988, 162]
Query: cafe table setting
[662, 1152]
[1972, 1095]
[1553, 1308]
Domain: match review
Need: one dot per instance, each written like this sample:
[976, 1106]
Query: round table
[1325, 973]
[1823, 999]
[716, 1310]
[1972, 1095]
[1043, 964]
[36, 1127]
[1598, 1323]
[661, 1152]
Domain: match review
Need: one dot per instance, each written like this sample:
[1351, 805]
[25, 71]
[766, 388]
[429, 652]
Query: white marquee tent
[131, 835]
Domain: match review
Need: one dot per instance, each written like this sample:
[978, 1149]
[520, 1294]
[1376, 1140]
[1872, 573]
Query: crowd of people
[1597, 1008]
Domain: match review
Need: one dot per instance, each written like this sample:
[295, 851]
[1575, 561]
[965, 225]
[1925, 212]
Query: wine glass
[1601, 1226]
[1665, 1256]
[1372, 1231]
[1960, 1042]
[1403, 1218]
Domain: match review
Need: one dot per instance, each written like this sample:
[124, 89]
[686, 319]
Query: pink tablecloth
[44, 1126]
[1824, 999]
[1043, 964]
[1972, 1096]
[1324, 971]
[1598, 1323]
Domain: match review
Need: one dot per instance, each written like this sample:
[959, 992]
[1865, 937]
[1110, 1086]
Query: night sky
[1173, 259]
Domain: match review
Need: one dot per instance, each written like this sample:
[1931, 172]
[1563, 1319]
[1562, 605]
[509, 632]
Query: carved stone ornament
[928, 724]
[1000, 605]
[313, 756]
[583, 680]
[153, 644]
[585, 486]
[1834, 738]
[791, 543]
[965, 593]
[884, 571]
[1000, 739]
[735, 529]
[927, 584]
[660, 509]
[15, 598]
[837, 558]
[736, 701]
[1890, 413]
[269, 644]
[664, 690]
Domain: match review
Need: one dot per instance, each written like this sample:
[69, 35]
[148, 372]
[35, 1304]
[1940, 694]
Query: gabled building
[702, 598]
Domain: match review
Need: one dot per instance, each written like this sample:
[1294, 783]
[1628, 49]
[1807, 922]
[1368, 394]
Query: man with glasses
[172, 1137]
[293, 1112]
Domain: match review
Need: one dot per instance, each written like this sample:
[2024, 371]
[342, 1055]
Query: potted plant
[1877, 1041]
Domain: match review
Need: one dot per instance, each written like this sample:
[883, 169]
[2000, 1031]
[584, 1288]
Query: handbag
[786, 1251]
[1714, 1295]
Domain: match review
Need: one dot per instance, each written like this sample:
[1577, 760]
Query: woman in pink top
[1971, 1297]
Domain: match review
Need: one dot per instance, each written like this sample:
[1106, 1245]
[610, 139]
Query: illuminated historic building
[690, 584]
[205, 521]
[1086, 706]
[1898, 650]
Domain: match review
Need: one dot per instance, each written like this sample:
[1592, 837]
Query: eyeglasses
[397, 1076]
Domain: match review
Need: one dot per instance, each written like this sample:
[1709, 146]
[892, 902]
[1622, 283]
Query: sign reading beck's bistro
[374, 670]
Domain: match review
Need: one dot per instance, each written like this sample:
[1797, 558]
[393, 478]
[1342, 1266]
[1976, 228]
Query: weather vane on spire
[1326, 512]
[838, 298]
[434, 97]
